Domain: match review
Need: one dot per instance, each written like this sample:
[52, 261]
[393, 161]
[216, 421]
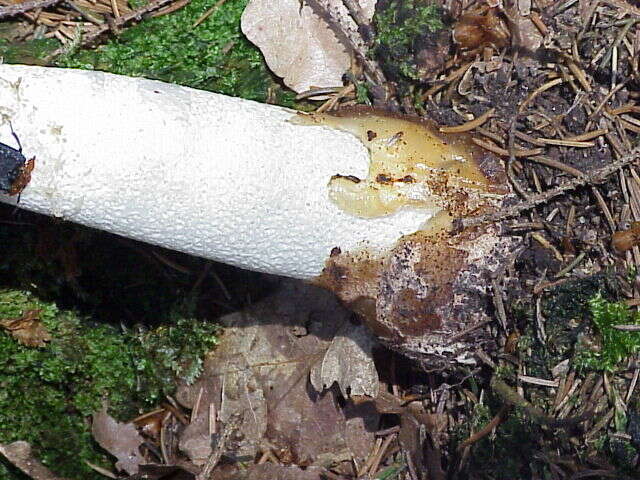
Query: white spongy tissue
[214, 176]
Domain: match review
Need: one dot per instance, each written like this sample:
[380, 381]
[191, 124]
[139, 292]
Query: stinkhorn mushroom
[360, 202]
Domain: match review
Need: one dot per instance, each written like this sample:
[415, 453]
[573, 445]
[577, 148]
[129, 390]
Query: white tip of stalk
[213, 176]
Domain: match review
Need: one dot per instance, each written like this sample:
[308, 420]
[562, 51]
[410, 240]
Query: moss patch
[494, 457]
[566, 320]
[615, 345]
[403, 27]
[48, 393]
[32, 52]
[213, 56]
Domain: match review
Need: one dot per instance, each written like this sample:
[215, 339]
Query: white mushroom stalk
[213, 176]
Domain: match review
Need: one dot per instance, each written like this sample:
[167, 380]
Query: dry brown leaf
[121, 440]
[27, 329]
[19, 454]
[348, 362]
[297, 44]
[260, 372]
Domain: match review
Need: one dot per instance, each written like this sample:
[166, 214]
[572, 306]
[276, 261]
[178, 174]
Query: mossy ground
[49, 393]
[615, 345]
[212, 56]
[402, 28]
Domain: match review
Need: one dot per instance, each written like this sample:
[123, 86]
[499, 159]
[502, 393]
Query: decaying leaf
[121, 440]
[27, 329]
[260, 372]
[297, 44]
[19, 454]
[348, 362]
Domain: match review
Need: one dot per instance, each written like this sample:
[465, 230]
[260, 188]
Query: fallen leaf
[27, 329]
[297, 44]
[260, 372]
[349, 363]
[19, 454]
[121, 440]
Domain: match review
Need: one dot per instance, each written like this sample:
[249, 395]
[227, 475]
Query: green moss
[402, 26]
[171, 350]
[32, 52]
[213, 56]
[565, 318]
[48, 393]
[615, 345]
[494, 456]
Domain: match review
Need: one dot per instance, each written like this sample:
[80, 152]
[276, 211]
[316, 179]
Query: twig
[486, 430]
[465, 127]
[597, 176]
[120, 21]
[571, 266]
[18, 8]
[215, 456]
[208, 13]
[517, 152]
[550, 162]
[314, 92]
[383, 449]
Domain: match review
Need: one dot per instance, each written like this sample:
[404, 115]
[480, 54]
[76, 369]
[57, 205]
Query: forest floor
[552, 88]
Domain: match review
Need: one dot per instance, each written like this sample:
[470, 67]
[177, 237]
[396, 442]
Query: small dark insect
[15, 169]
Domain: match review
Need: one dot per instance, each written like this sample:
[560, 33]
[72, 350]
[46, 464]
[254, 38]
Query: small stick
[580, 75]
[465, 127]
[196, 407]
[215, 456]
[383, 449]
[94, 34]
[566, 143]
[588, 135]
[517, 152]
[571, 266]
[511, 397]
[550, 162]
[486, 430]
[538, 91]
[361, 21]
[115, 9]
[208, 13]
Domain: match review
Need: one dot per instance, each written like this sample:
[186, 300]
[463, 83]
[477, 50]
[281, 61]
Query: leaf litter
[260, 373]
[298, 43]
[121, 440]
[27, 329]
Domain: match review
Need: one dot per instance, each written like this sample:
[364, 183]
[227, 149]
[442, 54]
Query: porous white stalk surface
[218, 177]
